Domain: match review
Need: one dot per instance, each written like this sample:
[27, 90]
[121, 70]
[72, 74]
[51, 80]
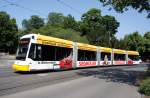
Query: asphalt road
[103, 82]
[6, 69]
[87, 87]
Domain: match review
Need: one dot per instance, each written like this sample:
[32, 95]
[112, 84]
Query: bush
[145, 87]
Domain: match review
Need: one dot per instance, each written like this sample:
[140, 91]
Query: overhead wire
[4, 5]
[23, 7]
[67, 5]
[35, 11]
[7, 4]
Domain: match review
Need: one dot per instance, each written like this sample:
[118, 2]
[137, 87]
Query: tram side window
[134, 57]
[31, 52]
[84, 55]
[48, 53]
[103, 54]
[62, 53]
[119, 57]
[35, 52]
[53, 53]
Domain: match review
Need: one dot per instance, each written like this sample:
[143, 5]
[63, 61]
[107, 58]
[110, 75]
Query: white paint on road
[42, 74]
[86, 87]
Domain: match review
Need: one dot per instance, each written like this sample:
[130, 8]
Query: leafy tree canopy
[124, 5]
[70, 22]
[60, 32]
[147, 41]
[134, 41]
[8, 33]
[110, 24]
[35, 22]
[55, 18]
[99, 29]
[147, 35]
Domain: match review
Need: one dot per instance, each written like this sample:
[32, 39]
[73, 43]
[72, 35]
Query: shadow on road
[115, 75]
[38, 71]
[34, 72]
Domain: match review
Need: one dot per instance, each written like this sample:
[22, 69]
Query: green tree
[8, 33]
[147, 41]
[70, 34]
[55, 18]
[111, 25]
[114, 42]
[60, 32]
[137, 42]
[123, 5]
[91, 26]
[121, 44]
[134, 41]
[98, 29]
[70, 22]
[26, 25]
[147, 35]
[35, 22]
[146, 52]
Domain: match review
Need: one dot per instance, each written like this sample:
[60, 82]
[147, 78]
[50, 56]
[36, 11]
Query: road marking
[42, 74]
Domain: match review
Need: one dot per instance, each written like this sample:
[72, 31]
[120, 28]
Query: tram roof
[86, 47]
[48, 40]
[42, 39]
[119, 51]
[133, 53]
[105, 49]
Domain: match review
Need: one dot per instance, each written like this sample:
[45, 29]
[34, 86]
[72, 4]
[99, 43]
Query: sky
[130, 21]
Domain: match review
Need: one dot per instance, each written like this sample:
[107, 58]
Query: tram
[39, 52]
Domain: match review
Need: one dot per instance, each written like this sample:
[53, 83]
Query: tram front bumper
[17, 67]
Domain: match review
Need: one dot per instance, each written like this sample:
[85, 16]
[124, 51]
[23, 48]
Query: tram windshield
[22, 49]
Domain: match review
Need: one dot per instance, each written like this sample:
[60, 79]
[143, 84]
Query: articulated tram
[39, 52]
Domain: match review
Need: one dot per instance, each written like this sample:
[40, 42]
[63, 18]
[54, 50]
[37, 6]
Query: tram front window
[22, 49]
